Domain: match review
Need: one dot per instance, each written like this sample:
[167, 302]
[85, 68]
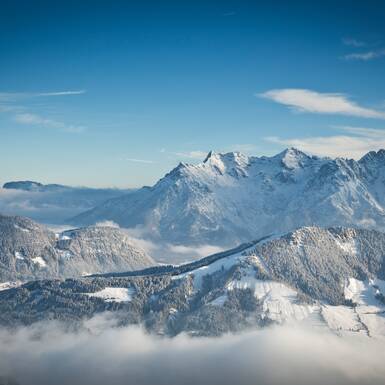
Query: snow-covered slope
[232, 198]
[329, 278]
[29, 251]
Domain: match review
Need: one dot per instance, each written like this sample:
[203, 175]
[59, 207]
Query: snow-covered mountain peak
[373, 158]
[233, 163]
[230, 198]
[292, 158]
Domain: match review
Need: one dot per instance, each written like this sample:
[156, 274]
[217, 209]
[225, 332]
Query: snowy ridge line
[185, 268]
[232, 198]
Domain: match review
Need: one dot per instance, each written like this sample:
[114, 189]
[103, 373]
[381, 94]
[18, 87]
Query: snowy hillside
[329, 278]
[232, 198]
[30, 251]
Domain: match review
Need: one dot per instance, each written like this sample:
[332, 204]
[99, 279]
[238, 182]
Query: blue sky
[116, 93]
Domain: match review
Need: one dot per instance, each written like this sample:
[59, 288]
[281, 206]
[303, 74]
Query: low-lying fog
[101, 354]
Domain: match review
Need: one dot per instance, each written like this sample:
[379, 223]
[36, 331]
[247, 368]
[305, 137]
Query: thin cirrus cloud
[135, 160]
[365, 56]
[37, 120]
[13, 96]
[352, 142]
[10, 103]
[304, 100]
[351, 42]
[192, 154]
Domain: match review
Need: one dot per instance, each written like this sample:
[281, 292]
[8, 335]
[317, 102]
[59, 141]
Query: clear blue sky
[110, 93]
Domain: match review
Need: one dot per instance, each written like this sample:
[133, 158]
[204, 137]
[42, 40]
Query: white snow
[348, 245]
[375, 323]
[279, 300]
[244, 197]
[9, 285]
[21, 228]
[369, 309]
[223, 263]
[341, 318]
[290, 158]
[114, 294]
[39, 261]
[66, 254]
[364, 294]
[19, 256]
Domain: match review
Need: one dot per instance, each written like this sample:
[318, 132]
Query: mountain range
[330, 278]
[30, 251]
[318, 254]
[232, 198]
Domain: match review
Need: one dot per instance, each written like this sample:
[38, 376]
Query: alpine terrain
[331, 278]
[232, 198]
[29, 250]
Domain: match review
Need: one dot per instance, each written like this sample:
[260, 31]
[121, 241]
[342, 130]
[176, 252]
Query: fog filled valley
[297, 306]
[101, 353]
[192, 192]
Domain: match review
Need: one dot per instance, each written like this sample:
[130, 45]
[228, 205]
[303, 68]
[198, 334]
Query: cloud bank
[100, 354]
[304, 100]
[354, 142]
[165, 252]
[55, 206]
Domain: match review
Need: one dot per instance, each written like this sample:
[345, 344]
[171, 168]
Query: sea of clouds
[99, 353]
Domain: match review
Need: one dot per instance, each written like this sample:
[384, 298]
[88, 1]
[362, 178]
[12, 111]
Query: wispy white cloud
[61, 93]
[192, 154]
[369, 54]
[139, 160]
[305, 100]
[353, 42]
[37, 120]
[365, 56]
[354, 143]
[245, 148]
[10, 103]
[13, 96]
[363, 131]
[199, 251]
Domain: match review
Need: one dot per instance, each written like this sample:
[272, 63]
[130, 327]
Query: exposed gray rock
[31, 251]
